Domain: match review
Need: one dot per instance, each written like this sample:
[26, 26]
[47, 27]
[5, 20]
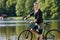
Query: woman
[38, 19]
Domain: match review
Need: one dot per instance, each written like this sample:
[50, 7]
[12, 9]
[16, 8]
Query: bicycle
[28, 35]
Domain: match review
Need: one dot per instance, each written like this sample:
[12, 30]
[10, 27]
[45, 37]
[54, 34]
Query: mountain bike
[28, 35]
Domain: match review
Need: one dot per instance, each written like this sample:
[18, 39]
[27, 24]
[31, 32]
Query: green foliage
[1, 3]
[10, 7]
[7, 7]
[24, 7]
[29, 6]
[10, 2]
[49, 8]
[20, 6]
[2, 6]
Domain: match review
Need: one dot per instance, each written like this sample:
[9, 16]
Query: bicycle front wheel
[52, 35]
[25, 35]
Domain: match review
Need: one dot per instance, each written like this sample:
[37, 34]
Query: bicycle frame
[45, 30]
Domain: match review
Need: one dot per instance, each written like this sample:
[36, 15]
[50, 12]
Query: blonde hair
[36, 3]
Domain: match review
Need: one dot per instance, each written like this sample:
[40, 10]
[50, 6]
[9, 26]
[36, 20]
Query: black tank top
[37, 16]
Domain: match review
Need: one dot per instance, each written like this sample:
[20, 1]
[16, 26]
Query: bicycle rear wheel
[52, 35]
[25, 35]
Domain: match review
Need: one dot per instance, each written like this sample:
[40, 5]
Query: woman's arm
[28, 16]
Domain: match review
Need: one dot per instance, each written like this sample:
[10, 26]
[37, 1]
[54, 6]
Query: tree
[10, 7]
[29, 6]
[24, 7]
[20, 6]
[1, 3]
[2, 7]
[58, 10]
[49, 5]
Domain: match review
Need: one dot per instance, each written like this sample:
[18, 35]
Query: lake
[10, 31]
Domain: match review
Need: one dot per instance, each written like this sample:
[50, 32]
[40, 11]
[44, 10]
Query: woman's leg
[40, 31]
[40, 34]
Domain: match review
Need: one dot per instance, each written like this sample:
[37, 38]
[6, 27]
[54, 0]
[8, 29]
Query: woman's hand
[31, 22]
[35, 20]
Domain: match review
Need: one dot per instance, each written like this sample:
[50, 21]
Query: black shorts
[40, 31]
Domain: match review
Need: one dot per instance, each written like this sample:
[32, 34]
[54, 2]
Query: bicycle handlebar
[30, 21]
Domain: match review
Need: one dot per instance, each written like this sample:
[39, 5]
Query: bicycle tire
[51, 31]
[31, 35]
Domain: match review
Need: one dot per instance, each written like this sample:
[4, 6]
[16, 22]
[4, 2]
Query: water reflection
[2, 37]
[11, 32]
[7, 33]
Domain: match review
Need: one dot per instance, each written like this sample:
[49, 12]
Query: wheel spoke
[25, 35]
